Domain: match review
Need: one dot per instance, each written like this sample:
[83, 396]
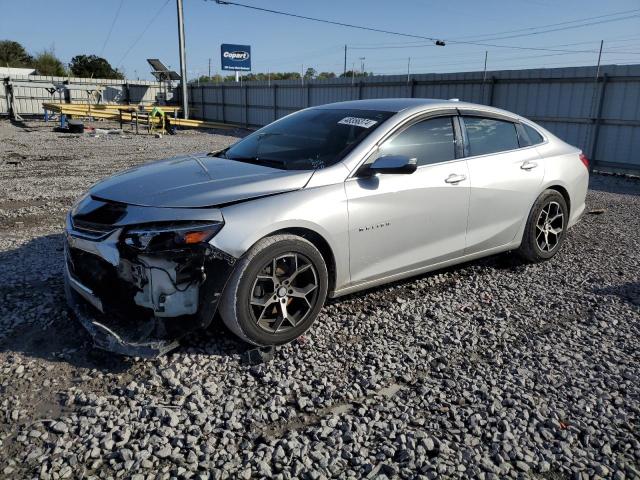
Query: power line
[144, 30]
[113, 23]
[481, 36]
[569, 27]
[544, 49]
[390, 32]
[490, 36]
[321, 20]
[392, 46]
[370, 46]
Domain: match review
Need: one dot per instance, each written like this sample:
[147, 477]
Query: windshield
[307, 140]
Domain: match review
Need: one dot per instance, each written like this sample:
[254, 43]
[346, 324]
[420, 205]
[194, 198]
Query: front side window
[429, 141]
[488, 135]
[307, 140]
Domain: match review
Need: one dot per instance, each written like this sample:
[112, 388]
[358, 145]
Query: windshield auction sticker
[358, 122]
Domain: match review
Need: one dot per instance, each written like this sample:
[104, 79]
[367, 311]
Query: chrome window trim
[455, 160]
[501, 152]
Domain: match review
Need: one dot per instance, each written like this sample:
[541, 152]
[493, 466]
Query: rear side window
[534, 136]
[488, 135]
[429, 141]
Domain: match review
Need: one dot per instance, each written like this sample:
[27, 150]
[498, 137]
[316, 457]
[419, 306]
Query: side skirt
[418, 271]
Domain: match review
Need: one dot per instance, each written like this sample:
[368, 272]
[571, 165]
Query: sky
[143, 29]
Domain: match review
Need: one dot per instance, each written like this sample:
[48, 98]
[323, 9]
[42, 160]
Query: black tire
[534, 248]
[241, 317]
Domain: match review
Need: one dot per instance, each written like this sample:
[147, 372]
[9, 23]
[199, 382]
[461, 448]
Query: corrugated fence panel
[29, 92]
[566, 101]
[4, 107]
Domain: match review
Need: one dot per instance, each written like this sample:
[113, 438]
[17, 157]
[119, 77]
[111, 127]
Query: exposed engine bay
[138, 288]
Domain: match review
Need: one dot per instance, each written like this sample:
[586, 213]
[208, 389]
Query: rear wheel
[276, 291]
[546, 227]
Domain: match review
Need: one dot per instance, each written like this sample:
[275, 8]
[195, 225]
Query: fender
[322, 210]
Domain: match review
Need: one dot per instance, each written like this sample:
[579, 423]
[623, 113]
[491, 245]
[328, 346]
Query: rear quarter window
[534, 136]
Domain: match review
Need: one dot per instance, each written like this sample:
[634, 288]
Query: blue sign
[235, 57]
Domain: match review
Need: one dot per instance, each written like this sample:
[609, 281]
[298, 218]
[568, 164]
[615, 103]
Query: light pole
[345, 60]
[183, 62]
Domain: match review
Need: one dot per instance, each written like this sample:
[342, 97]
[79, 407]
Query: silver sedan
[324, 202]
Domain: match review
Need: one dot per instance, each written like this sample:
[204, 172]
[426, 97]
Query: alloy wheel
[284, 292]
[549, 226]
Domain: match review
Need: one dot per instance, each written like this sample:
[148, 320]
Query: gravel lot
[492, 369]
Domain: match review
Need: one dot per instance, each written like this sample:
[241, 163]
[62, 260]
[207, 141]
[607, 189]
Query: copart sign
[235, 57]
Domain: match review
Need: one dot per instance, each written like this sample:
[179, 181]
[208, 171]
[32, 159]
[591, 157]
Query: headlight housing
[154, 238]
[79, 202]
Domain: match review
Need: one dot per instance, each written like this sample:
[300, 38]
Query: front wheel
[276, 291]
[546, 227]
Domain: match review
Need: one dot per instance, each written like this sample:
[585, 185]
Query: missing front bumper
[119, 324]
[141, 339]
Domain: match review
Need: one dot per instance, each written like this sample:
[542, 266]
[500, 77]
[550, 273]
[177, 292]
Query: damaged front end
[140, 278]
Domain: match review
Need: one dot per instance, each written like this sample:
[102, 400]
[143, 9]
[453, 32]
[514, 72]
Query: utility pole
[345, 60]
[183, 62]
[484, 75]
[353, 72]
[302, 74]
[362, 65]
[591, 131]
[408, 69]
[209, 69]
[599, 58]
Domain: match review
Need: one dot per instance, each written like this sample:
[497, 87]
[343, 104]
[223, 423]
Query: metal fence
[600, 116]
[29, 92]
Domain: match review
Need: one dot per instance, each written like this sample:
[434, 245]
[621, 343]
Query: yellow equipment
[123, 113]
[159, 113]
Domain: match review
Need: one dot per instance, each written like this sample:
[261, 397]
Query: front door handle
[455, 179]
[528, 165]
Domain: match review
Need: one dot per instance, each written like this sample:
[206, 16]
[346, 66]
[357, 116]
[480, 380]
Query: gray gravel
[493, 369]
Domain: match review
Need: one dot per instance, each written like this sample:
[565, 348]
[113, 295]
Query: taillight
[584, 160]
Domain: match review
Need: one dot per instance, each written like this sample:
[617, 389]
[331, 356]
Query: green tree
[355, 73]
[263, 77]
[323, 75]
[92, 66]
[200, 79]
[46, 63]
[286, 76]
[12, 54]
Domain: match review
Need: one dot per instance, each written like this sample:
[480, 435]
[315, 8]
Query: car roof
[394, 104]
[413, 105]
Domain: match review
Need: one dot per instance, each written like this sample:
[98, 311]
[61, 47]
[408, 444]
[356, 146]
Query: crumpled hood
[197, 181]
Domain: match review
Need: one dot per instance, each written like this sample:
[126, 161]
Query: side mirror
[392, 164]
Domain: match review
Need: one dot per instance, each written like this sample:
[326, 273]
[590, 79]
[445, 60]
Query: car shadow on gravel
[35, 320]
[501, 261]
[629, 292]
[617, 184]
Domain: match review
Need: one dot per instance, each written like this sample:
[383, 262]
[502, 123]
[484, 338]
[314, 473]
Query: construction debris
[137, 114]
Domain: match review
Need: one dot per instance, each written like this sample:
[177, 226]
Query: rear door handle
[455, 179]
[528, 165]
